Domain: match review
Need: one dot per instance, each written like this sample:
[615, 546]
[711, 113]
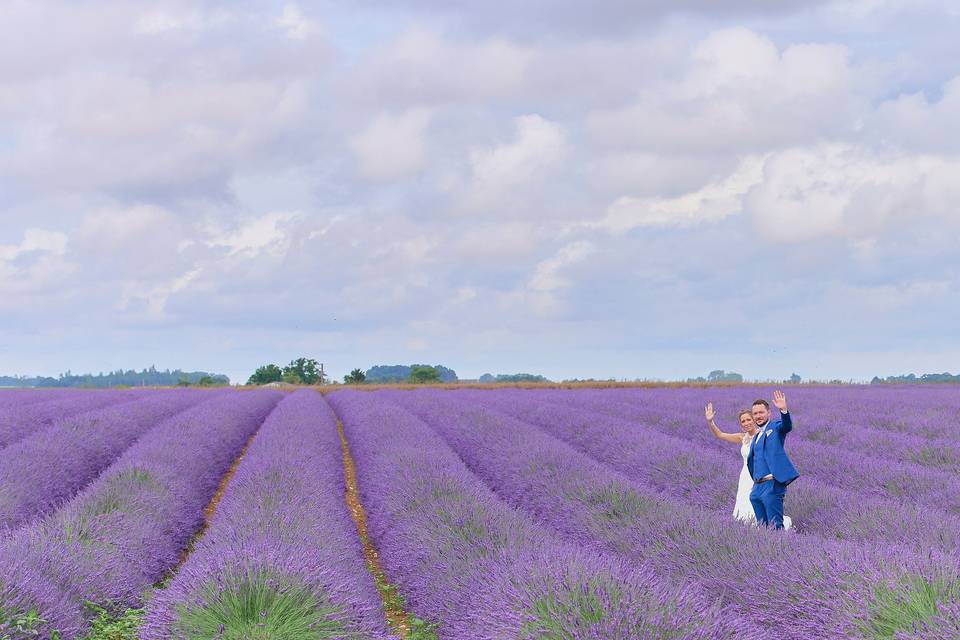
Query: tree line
[309, 371]
[299, 371]
[120, 378]
[926, 378]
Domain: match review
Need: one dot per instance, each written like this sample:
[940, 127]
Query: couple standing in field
[766, 470]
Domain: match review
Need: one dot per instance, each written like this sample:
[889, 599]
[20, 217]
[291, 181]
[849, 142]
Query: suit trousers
[767, 500]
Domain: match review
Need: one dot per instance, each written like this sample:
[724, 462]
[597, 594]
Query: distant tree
[794, 379]
[719, 375]
[912, 378]
[118, 378]
[206, 381]
[519, 377]
[291, 377]
[424, 374]
[401, 373]
[266, 374]
[356, 376]
[939, 378]
[385, 373]
[446, 374]
[306, 369]
[487, 378]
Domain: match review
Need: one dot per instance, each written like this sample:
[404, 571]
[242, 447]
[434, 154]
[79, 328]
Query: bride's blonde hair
[743, 433]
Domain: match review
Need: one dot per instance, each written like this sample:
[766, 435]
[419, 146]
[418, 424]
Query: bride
[742, 509]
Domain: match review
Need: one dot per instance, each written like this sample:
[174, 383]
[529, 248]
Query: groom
[768, 463]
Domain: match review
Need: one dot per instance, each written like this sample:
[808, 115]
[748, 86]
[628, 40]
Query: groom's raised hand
[708, 412]
[780, 401]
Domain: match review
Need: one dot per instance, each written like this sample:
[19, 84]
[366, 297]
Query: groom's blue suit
[767, 457]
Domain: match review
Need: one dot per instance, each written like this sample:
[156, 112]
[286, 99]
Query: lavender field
[600, 513]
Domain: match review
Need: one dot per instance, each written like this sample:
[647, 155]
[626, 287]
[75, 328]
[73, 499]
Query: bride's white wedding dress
[743, 510]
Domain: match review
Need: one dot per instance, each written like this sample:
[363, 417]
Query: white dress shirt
[756, 440]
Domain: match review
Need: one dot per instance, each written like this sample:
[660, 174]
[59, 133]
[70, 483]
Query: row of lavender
[505, 514]
[919, 425]
[479, 568]
[617, 558]
[895, 439]
[836, 498]
[50, 465]
[24, 412]
[281, 557]
[812, 584]
[129, 527]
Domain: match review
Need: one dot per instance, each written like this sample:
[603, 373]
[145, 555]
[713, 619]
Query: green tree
[357, 376]
[266, 374]
[306, 369]
[719, 375]
[424, 374]
[292, 377]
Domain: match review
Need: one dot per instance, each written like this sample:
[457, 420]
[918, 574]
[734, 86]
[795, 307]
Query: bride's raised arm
[735, 438]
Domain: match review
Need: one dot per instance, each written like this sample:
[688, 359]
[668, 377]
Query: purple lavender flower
[466, 561]
[128, 528]
[659, 456]
[498, 514]
[282, 537]
[18, 420]
[25, 588]
[46, 468]
[816, 585]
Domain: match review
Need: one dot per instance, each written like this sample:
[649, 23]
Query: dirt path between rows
[397, 617]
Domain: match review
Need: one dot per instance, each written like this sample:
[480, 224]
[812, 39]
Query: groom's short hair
[761, 401]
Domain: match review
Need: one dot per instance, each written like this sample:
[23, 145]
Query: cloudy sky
[622, 188]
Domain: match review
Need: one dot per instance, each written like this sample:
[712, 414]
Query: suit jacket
[770, 445]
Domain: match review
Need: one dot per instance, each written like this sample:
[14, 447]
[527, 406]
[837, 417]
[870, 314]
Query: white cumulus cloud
[392, 146]
[551, 274]
[853, 193]
[266, 233]
[714, 201]
[497, 172]
[739, 92]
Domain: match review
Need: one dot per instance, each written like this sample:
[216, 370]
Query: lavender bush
[463, 559]
[10, 398]
[874, 421]
[282, 537]
[600, 513]
[706, 476]
[18, 420]
[44, 469]
[126, 530]
[815, 585]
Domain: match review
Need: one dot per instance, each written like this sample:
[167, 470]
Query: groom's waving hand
[780, 401]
